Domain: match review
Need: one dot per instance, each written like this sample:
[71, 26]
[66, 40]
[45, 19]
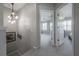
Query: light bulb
[9, 17]
[16, 17]
[12, 22]
[12, 13]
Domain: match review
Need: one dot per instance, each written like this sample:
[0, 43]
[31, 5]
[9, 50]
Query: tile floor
[49, 50]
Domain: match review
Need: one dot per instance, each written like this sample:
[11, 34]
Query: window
[64, 25]
[67, 25]
[51, 26]
[44, 26]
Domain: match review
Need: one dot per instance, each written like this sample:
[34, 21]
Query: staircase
[12, 49]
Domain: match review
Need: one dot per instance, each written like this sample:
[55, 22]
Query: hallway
[37, 25]
[64, 50]
[45, 40]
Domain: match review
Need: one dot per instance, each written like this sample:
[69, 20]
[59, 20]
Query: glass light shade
[9, 17]
[12, 22]
[12, 17]
[16, 17]
[13, 13]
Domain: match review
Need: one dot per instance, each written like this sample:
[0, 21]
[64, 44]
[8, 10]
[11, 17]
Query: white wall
[2, 33]
[9, 27]
[27, 27]
[2, 42]
[76, 29]
[1, 14]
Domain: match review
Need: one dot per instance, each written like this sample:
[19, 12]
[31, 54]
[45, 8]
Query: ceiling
[17, 6]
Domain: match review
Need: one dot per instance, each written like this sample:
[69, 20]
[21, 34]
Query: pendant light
[12, 17]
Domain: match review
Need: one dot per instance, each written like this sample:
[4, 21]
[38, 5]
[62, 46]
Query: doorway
[46, 27]
[64, 28]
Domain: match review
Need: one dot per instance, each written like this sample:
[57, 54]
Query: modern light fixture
[13, 17]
